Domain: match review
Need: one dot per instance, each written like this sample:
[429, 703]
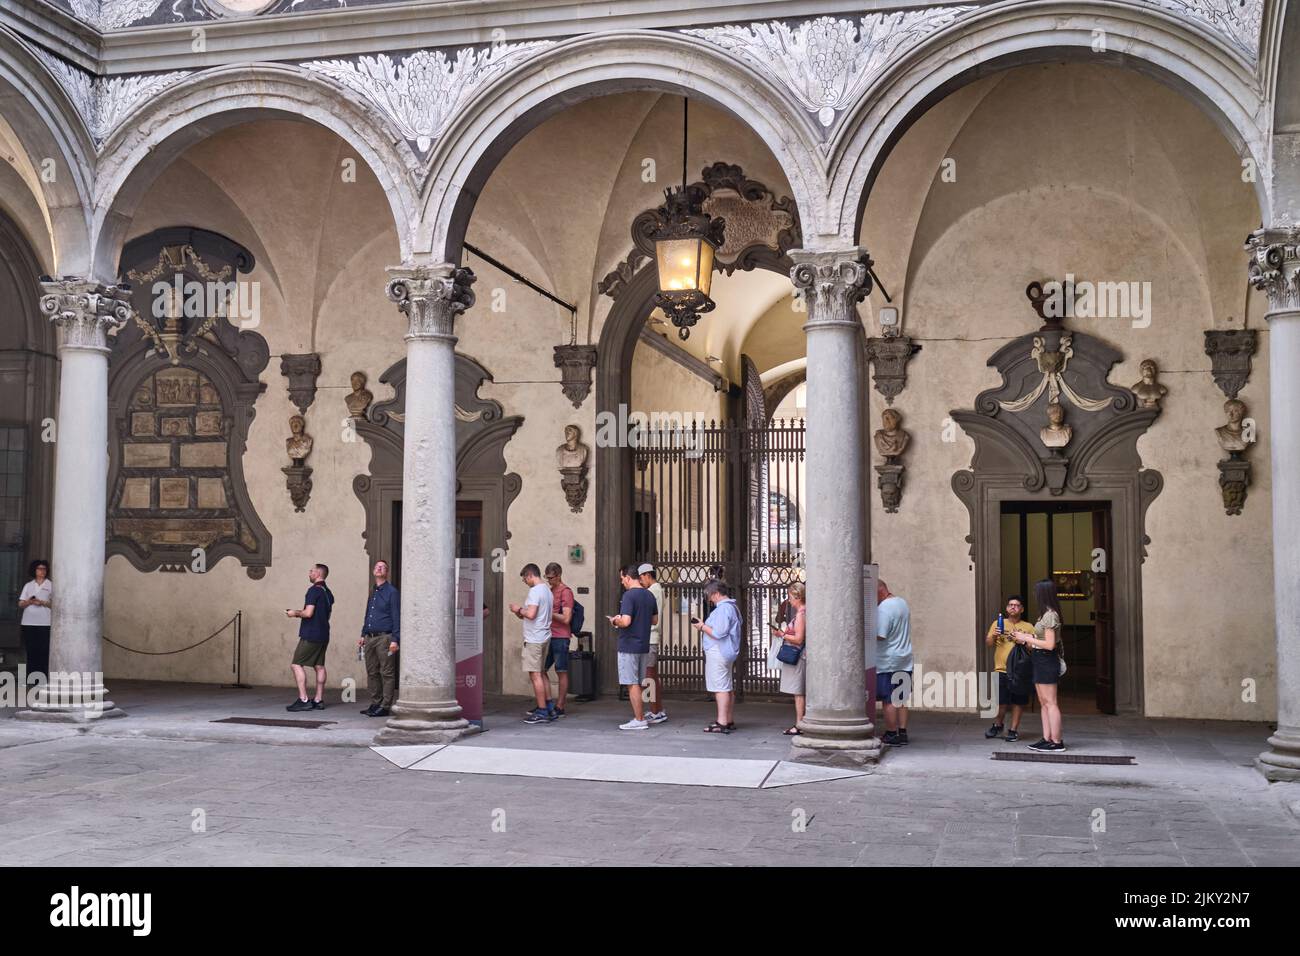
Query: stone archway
[148, 140]
[550, 81]
[1220, 82]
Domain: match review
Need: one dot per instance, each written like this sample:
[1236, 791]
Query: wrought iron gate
[720, 498]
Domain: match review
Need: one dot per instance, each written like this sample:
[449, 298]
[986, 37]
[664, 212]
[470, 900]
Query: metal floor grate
[275, 722]
[1067, 758]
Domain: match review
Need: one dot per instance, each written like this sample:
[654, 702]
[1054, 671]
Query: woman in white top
[36, 600]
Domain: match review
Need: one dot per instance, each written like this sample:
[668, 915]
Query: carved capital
[1275, 266]
[889, 357]
[832, 284]
[431, 297]
[85, 313]
[1230, 351]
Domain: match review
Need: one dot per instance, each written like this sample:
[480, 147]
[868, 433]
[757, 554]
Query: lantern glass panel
[679, 264]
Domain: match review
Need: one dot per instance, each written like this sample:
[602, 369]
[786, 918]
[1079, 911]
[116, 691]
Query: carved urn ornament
[891, 441]
[685, 239]
[298, 474]
[1234, 437]
[571, 459]
[359, 399]
[1149, 392]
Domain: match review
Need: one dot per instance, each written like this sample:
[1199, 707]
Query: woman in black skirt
[1046, 654]
[36, 600]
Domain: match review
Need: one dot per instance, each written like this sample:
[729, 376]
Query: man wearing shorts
[720, 641]
[313, 638]
[1002, 642]
[561, 634]
[536, 615]
[637, 613]
[650, 581]
[893, 663]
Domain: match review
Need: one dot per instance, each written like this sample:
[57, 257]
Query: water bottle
[361, 652]
[1002, 628]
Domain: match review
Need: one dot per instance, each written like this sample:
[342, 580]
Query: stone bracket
[890, 483]
[575, 363]
[1234, 480]
[1230, 352]
[889, 357]
[297, 478]
[302, 372]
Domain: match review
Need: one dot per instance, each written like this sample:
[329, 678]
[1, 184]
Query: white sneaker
[658, 718]
[634, 724]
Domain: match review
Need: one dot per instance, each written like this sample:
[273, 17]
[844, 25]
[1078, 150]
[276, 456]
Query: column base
[836, 743]
[1281, 763]
[70, 713]
[424, 722]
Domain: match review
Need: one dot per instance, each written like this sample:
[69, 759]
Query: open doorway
[1070, 543]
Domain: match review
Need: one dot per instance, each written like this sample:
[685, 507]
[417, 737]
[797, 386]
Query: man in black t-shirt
[313, 638]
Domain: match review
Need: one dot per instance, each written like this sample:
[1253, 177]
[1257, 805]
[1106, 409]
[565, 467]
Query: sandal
[793, 732]
[731, 726]
[717, 728]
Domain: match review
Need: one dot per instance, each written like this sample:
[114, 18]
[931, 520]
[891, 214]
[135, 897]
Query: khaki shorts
[310, 653]
[535, 656]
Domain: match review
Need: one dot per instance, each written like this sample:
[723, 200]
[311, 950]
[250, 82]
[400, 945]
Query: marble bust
[1231, 437]
[573, 453]
[1149, 392]
[1057, 434]
[891, 440]
[359, 399]
[299, 443]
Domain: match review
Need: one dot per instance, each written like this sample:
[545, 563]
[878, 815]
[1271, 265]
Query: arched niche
[182, 389]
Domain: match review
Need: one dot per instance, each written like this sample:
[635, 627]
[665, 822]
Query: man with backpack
[1010, 691]
[562, 629]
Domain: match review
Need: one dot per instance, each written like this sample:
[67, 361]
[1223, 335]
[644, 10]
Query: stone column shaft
[1275, 270]
[85, 312]
[836, 727]
[431, 297]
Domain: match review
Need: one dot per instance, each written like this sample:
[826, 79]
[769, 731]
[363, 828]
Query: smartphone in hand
[695, 620]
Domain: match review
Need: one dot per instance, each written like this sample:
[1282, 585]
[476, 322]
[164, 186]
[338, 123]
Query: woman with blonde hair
[794, 635]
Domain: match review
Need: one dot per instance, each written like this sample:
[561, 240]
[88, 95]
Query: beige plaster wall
[1111, 177]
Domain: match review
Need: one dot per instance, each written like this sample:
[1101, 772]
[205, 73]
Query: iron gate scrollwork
[720, 496]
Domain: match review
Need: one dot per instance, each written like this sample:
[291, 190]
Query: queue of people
[550, 617]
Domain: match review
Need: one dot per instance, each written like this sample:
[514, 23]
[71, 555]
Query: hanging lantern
[685, 240]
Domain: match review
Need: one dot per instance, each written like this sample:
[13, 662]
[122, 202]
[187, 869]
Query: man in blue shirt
[893, 662]
[637, 613]
[720, 641]
[381, 632]
[313, 638]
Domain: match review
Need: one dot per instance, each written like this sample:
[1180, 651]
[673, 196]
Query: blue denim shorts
[557, 654]
[889, 683]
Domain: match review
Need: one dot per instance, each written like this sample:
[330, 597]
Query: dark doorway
[1070, 543]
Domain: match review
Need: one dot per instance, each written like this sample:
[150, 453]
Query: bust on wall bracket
[891, 441]
[1235, 437]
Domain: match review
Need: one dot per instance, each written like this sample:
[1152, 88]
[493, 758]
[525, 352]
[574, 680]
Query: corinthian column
[836, 727]
[426, 710]
[84, 313]
[1275, 270]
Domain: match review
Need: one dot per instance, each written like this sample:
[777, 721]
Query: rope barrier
[181, 650]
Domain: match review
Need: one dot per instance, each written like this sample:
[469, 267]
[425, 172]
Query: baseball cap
[646, 569]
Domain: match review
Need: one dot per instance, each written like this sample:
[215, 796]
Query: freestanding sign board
[469, 638]
[870, 575]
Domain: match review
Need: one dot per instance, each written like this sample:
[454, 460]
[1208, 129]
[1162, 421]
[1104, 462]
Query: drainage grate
[1066, 758]
[275, 722]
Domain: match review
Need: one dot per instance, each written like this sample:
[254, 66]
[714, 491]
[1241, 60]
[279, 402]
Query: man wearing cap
[655, 713]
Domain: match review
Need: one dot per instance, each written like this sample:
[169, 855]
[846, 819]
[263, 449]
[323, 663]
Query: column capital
[430, 297]
[85, 312]
[832, 282]
[1275, 266]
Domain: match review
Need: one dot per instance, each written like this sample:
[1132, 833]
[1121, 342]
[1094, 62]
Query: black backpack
[1020, 670]
[577, 619]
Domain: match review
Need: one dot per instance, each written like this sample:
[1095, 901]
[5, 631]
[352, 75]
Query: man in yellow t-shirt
[1001, 642]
